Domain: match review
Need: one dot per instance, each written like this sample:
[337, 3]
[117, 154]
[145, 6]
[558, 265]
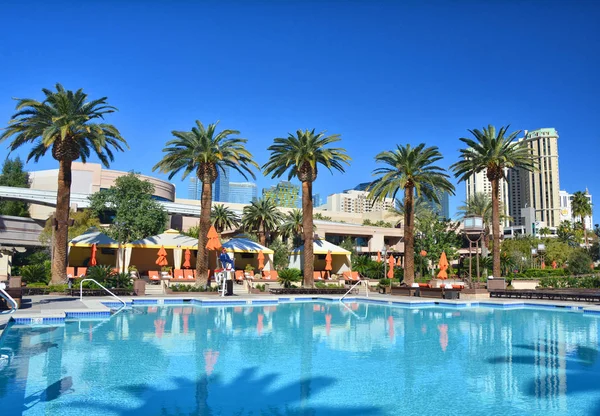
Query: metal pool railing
[8, 298]
[111, 293]
[352, 288]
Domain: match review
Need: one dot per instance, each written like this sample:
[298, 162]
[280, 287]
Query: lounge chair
[239, 276]
[81, 271]
[178, 274]
[270, 275]
[153, 276]
[317, 275]
[70, 272]
[190, 274]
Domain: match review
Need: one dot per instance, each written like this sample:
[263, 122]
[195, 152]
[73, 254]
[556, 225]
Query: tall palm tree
[582, 207]
[263, 217]
[205, 152]
[421, 209]
[291, 227]
[300, 155]
[410, 170]
[71, 126]
[223, 218]
[493, 152]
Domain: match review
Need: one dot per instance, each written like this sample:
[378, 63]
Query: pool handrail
[8, 298]
[352, 288]
[111, 293]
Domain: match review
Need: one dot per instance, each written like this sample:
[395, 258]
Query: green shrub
[539, 273]
[579, 262]
[384, 282]
[37, 273]
[571, 282]
[260, 287]
[289, 276]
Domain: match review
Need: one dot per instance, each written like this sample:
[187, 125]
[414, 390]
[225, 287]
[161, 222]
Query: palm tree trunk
[202, 258]
[496, 227]
[409, 236]
[584, 233]
[61, 234]
[262, 235]
[307, 227]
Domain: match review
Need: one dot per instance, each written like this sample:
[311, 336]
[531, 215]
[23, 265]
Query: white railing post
[8, 298]
[350, 290]
[111, 293]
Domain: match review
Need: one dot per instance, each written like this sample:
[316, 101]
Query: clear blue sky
[377, 72]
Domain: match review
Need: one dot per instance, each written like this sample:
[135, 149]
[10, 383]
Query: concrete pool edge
[104, 308]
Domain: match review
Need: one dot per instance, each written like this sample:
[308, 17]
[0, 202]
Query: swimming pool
[304, 359]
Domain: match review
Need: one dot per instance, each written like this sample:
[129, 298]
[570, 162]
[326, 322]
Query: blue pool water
[306, 359]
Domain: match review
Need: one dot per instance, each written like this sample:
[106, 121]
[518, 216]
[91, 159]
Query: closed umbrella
[391, 263]
[93, 260]
[379, 257]
[162, 257]
[187, 257]
[554, 265]
[213, 242]
[443, 265]
[328, 262]
[261, 260]
[543, 265]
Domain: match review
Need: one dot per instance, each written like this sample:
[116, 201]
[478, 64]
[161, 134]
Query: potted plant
[384, 286]
[249, 271]
[133, 272]
[164, 271]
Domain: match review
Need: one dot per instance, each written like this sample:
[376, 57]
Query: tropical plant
[579, 262]
[435, 236]
[100, 273]
[262, 217]
[223, 218]
[64, 122]
[348, 244]
[582, 207]
[410, 170]
[14, 175]
[36, 273]
[192, 231]
[493, 152]
[205, 152]
[421, 208]
[300, 156]
[291, 227]
[289, 276]
[567, 233]
[545, 232]
[319, 216]
[281, 254]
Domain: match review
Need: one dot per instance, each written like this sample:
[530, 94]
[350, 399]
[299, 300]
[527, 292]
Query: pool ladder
[352, 288]
[9, 299]
[111, 293]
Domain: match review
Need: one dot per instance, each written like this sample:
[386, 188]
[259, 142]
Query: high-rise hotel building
[539, 189]
[479, 183]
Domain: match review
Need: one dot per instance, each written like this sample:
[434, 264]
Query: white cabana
[244, 252]
[79, 248]
[340, 258]
[143, 252]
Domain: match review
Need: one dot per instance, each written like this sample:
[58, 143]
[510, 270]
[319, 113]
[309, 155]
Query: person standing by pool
[226, 261]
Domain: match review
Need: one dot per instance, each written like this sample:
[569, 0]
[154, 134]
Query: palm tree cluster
[72, 127]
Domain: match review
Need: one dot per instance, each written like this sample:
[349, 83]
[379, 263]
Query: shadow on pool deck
[247, 394]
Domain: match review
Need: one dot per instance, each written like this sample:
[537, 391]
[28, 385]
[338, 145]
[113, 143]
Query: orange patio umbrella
[213, 242]
[391, 263]
[543, 265]
[379, 257]
[187, 256]
[554, 265]
[328, 259]
[162, 257]
[443, 265]
[261, 260]
[93, 260]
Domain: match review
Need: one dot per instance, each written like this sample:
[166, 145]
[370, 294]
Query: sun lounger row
[574, 295]
[81, 272]
[310, 291]
[99, 292]
[427, 292]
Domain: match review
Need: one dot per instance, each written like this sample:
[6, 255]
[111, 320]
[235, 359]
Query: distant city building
[353, 201]
[540, 189]
[316, 200]
[242, 192]
[566, 211]
[360, 187]
[479, 183]
[220, 188]
[285, 194]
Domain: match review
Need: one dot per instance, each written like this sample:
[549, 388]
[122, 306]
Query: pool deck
[59, 307]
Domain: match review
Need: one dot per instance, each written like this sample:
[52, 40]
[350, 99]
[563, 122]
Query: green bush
[572, 282]
[289, 276]
[384, 282]
[37, 273]
[260, 287]
[540, 273]
[579, 262]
